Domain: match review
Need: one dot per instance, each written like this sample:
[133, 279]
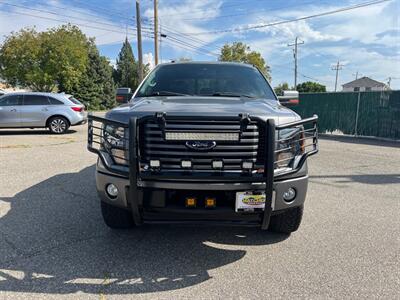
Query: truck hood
[201, 106]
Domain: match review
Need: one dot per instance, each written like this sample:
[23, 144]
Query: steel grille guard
[136, 194]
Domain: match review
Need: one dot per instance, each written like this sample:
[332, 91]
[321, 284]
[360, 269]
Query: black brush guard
[131, 167]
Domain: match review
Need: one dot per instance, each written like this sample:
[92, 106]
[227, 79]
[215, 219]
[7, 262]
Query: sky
[365, 41]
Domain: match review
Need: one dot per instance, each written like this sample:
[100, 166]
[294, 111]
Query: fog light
[112, 191]
[247, 165]
[186, 164]
[289, 195]
[210, 202]
[190, 202]
[155, 164]
[217, 164]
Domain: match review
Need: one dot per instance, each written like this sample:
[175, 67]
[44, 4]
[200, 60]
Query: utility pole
[139, 40]
[295, 44]
[155, 32]
[337, 68]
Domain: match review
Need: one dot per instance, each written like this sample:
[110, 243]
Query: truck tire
[115, 217]
[288, 221]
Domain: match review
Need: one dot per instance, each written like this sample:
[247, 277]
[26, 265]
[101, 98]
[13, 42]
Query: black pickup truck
[203, 143]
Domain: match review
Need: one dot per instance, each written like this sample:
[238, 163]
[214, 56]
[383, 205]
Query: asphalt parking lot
[53, 243]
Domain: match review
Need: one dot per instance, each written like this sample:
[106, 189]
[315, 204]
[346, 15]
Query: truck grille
[153, 146]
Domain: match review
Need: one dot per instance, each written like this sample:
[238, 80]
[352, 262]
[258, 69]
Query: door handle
[44, 109]
[13, 109]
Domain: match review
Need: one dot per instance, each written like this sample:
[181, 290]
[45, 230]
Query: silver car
[34, 110]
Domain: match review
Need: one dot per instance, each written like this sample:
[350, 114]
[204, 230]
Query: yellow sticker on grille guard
[249, 201]
[254, 199]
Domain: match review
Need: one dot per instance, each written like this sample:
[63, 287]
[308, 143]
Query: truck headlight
[114, 135]
[115, 142]
[289, 145]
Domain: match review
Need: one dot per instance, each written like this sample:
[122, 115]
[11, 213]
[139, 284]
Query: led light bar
[247, 165]
[217, 164]
[155, 164]
[186, 164]
[201, 136]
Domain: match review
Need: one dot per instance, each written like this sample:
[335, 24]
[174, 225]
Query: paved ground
[53, 243]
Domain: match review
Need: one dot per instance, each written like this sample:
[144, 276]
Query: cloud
[365, 40]
[148, 59]
[178, 20]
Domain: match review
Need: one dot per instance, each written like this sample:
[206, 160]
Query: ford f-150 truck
[203, 143]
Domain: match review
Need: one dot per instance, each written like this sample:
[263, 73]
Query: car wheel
[58, 125]
[115, 217]
[288, 221]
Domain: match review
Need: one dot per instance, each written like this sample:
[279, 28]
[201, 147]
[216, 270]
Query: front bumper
[103, 178]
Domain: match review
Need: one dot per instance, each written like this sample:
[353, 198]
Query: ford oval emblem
[201, 145]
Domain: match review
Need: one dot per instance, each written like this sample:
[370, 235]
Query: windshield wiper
[219, 94]
[165, 93]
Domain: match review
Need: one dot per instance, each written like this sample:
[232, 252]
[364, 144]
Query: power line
[108, 11]
[80, 11]
[176, 39]
[251, 27]
[250, 12]
[171, 31]
[184, 46]
[198, 49]
[189, 41]
[54, 13]
[212, 8]
[63, 21]
[312, 78]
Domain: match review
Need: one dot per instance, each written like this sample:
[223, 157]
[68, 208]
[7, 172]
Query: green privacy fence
[355, 113]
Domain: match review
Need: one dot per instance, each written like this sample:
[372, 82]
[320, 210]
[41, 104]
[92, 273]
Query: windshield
[206, 80]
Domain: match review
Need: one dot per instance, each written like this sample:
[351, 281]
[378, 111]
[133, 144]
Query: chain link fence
[354, 113]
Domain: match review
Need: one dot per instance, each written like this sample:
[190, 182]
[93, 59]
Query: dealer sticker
[250, 201]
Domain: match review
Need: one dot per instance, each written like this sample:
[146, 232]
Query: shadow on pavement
[31, 132]
[364, 178]
[53, 240]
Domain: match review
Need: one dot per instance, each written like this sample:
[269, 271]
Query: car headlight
[115, 142]
[289, 145]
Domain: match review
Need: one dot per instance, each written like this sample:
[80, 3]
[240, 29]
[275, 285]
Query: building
[364, 84]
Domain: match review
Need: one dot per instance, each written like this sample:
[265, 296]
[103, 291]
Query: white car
[35, 110]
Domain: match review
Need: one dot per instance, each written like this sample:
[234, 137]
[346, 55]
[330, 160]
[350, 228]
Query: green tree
[44, 61]
[281, 87]
[311, 87]
[240, 52]
[96, 88]
[126, 73]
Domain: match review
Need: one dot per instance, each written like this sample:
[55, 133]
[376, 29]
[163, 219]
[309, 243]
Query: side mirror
[123, 95]
[289, 98]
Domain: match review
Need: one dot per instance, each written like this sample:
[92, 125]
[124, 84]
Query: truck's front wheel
[288, 221]
[115, 217]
